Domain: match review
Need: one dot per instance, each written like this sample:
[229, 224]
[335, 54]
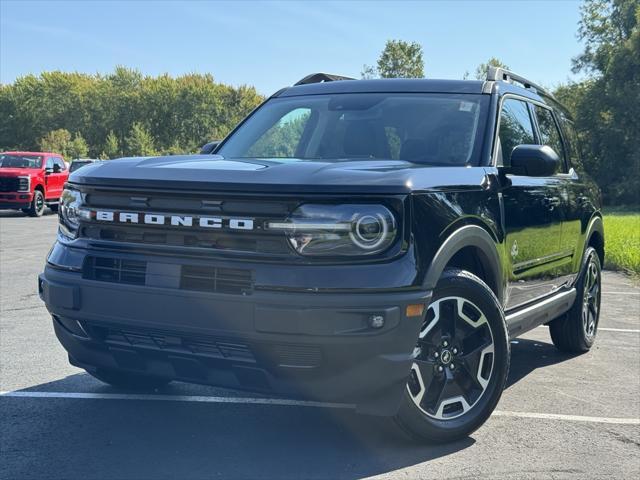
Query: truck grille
[174, 342]
[258, 240]
[116, 270]
[233, 281]
[237, 350]
[213, 279]
[9, 184]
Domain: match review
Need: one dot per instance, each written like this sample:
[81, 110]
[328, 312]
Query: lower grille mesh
[233, 281]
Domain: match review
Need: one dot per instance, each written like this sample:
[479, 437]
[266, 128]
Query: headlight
[339, 230]
[70, 212]
[24, 184]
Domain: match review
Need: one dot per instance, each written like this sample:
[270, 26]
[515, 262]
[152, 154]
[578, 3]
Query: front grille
[234, 281]
[257, 240]
[174, 343]
[224, 241]
[213, 279]
[116, 270]
[178, 343]
[9, 184]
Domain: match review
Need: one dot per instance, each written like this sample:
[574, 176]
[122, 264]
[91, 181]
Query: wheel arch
[470, 246]
[595, 238]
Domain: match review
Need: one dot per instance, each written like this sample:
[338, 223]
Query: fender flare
[595, 225]
[467, 236]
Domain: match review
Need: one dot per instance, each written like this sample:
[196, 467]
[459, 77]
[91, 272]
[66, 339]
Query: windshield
[435, 129]
[20, 161]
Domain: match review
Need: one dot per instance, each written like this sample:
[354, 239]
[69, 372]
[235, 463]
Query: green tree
[606, 106]
[399, 59]
[78, 147]
[139, 142]
[56, 141]
[180, 113]
[481, 70]
[111, 147]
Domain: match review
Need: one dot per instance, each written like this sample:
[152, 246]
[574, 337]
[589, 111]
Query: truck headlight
[70, 212]
[24, 184]
[339, 230]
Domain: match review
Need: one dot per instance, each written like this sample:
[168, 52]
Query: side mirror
[209, 147]
[56, 168]
[534, 161]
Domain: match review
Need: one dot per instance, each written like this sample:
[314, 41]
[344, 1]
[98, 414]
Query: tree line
[123, 113]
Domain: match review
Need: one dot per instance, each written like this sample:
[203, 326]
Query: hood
[216, 173]
[15, 172]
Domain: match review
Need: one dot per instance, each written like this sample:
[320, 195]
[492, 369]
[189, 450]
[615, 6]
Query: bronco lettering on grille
[173, 220]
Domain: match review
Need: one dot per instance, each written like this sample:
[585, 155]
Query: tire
[36, 209]
[128, 381]
[576, 330]
[435, 407]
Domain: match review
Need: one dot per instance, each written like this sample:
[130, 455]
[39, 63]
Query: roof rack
[495, 74]
[321, 77]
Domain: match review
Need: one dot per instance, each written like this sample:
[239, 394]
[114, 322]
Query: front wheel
[36, 209]
[461, 361]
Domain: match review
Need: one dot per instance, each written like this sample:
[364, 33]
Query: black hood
[216, 173]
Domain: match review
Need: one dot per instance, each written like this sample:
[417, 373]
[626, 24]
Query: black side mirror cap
[534, 161]
[56, 169]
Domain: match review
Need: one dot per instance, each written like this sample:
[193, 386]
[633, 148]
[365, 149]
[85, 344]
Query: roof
[386, 85]
[20, 152]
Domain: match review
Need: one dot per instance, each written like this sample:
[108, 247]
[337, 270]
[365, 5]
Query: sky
[273, 44]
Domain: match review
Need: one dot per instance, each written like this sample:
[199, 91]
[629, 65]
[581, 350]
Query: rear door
[532, 212]
[549, 134]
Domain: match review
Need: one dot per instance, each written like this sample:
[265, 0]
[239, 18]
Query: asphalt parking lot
[561, 416]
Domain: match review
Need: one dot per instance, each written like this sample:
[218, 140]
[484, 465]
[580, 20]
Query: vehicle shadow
[190, 440]
[528, 355]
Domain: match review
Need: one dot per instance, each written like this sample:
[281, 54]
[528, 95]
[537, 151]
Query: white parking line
[570, 418]
[175, 398]
[627, 330]
[606, 329]
[285, 402]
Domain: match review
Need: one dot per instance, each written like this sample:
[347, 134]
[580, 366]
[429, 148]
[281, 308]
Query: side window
[572, 144]
[549, 132]
[58, 161]
[282, 139]
[49, 164]
[515, 127]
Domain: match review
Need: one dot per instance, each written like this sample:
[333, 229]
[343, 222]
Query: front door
[532, 214]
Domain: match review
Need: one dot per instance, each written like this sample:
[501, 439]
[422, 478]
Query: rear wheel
[129, 381]
[461, 361]
[575, 331]
[36, 209]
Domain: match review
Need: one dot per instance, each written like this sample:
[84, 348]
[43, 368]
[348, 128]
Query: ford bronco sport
[372, 242]
[31, 180]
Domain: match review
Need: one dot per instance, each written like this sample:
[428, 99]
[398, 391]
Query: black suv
[371, 242]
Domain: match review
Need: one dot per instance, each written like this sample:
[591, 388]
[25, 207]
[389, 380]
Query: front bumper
[316, 346]
[15, 200]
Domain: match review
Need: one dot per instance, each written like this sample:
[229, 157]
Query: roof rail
[321, 77]
[495, 74]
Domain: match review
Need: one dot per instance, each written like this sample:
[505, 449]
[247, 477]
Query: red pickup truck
[31, 180]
